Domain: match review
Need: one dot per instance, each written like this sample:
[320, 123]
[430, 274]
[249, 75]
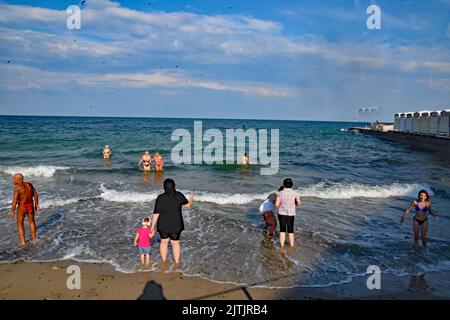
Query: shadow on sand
[152, 291]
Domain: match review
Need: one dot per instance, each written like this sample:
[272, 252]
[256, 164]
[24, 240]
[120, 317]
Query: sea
[354, 190]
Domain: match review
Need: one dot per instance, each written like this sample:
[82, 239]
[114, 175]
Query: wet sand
[47, 281]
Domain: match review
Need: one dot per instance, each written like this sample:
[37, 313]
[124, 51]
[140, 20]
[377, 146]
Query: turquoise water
[354, 189]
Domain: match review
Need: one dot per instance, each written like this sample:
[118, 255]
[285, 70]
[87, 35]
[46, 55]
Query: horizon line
[182, 118]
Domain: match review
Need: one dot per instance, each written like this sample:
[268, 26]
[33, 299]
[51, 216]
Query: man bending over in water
[107, 152]
[24, 193]
[159, 162]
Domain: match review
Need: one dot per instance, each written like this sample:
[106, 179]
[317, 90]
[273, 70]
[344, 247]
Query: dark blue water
[354, 189]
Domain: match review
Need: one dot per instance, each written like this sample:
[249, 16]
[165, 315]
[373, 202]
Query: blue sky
[312, 60]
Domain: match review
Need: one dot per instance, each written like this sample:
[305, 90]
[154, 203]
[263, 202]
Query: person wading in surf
[146, 161]
[287, 201]
[24, 194]
[168, 219]
[159, 162]
[267, 211]
[420, 221]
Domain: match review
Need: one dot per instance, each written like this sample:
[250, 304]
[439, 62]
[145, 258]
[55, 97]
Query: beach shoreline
[100, 281]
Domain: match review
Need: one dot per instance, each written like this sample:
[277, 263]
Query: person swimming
[423, 207]
[146, 161]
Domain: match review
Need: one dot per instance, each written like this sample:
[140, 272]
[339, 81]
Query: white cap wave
[320, 190]
[37, 171]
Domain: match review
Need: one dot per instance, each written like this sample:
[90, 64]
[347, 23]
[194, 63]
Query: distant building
[432, 123]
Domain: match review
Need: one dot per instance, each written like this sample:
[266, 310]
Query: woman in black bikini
[420, 222]
[146, 161]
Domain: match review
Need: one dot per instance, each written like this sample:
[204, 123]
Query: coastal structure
[426, 130]
[434, 123]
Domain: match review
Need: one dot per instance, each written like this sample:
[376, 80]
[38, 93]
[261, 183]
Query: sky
[247, 59]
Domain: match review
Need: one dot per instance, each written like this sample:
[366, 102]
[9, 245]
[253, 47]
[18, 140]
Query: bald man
[24, 194]
[107, 153]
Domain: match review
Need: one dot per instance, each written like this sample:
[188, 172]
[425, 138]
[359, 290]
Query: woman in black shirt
[168, 219]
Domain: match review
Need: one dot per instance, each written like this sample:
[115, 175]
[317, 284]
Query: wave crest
[338, 191]
[37, 171]
[356, 190]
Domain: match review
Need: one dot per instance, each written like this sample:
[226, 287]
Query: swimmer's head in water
[287, 183]
[423, 195]
[146, 221]
[17, 178]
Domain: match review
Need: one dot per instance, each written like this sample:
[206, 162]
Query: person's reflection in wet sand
[418, 283]
[159, 178]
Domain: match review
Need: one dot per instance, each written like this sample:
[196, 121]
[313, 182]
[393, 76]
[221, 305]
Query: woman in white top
[287, 201]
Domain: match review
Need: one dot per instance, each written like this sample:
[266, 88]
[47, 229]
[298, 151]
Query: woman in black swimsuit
[420, 221]
[146, 160]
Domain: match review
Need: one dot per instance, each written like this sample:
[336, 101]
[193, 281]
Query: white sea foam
[320, 190]
[126, 196]
[37, 171]
[73, 252]
[356, 190]
[48, 203]
[227, 198]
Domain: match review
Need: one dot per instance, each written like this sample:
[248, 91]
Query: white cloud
[133, 41]
[220, 39]
[438, 84]
[32, 43]
[17, 78]
[26, 14]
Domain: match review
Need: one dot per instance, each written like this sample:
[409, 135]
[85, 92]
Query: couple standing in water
[285, 202]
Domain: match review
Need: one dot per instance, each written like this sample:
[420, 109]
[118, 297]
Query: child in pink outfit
[142, 241]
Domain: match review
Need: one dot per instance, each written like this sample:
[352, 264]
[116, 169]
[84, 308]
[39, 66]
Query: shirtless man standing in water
[24, 193]
[245, 160]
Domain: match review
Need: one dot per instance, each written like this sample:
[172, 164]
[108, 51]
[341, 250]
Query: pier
[415, 140]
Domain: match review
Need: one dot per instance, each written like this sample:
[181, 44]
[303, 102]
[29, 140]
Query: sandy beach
[47, 281]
